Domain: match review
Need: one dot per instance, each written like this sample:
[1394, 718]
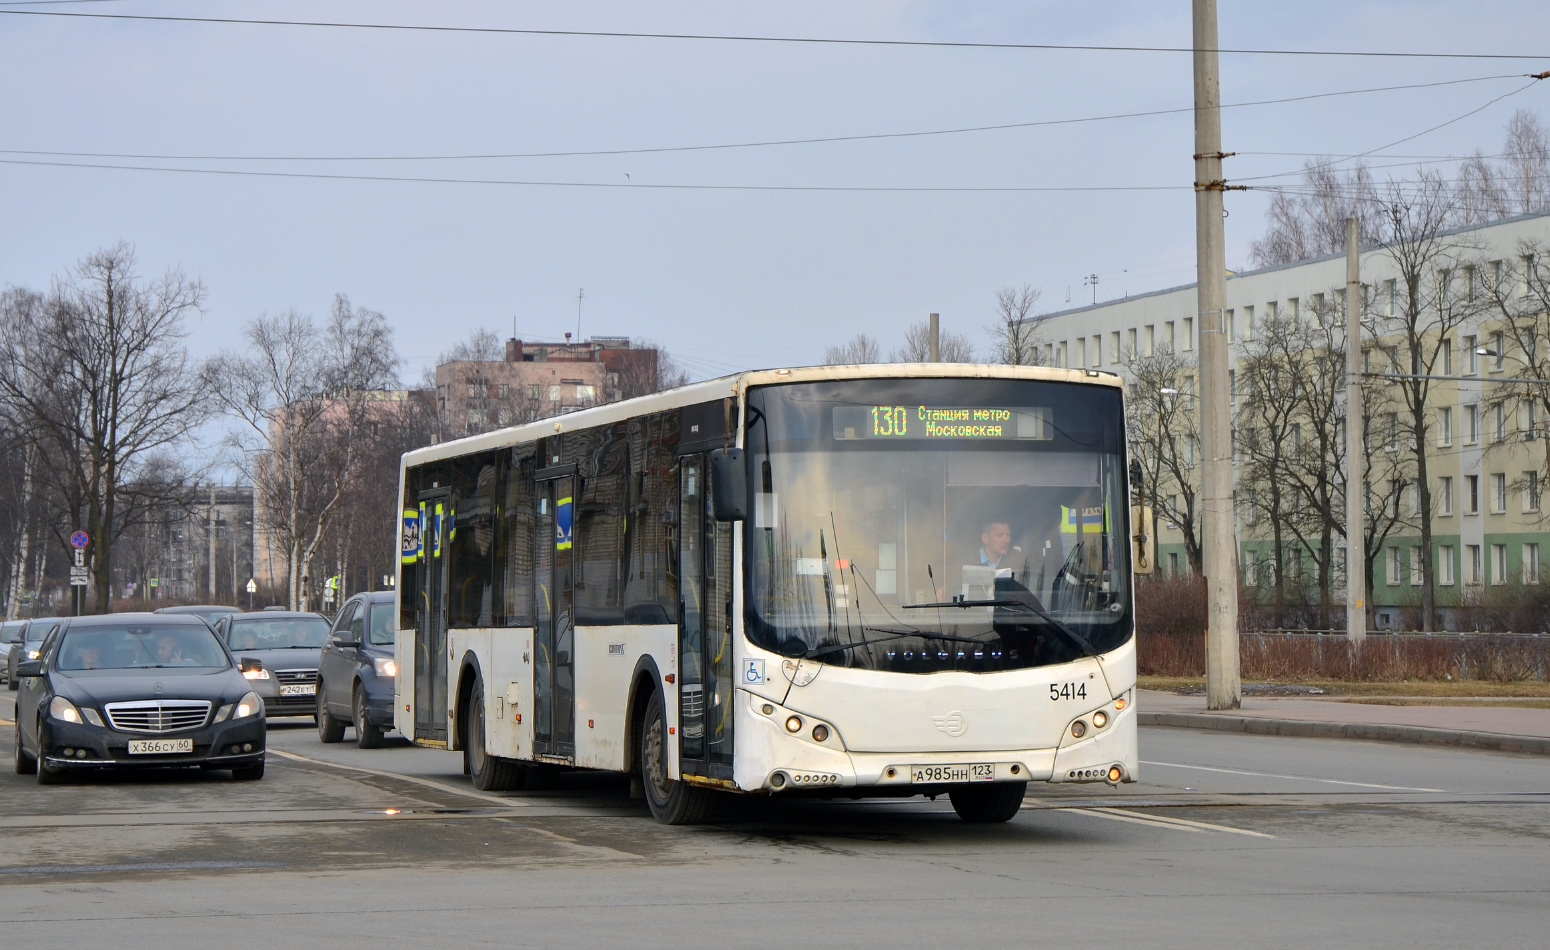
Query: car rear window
[140, 646]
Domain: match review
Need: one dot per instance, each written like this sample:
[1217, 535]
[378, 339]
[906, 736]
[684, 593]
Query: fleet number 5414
[1059, 691]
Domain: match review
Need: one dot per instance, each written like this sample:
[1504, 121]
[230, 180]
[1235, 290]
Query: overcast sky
[725, 279]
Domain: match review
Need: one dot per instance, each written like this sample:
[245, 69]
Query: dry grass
[1398, 689]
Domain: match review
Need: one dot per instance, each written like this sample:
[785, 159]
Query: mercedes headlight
[62, 709]
[385, 666]
[249, 705]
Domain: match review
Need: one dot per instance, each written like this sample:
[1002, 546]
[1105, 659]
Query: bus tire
[329, 729]
[990, 803]
[672, 802]
[489, 773]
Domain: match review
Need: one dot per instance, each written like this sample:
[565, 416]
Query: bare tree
[1309, 221]
[1015, 337]
[858, 349]
[1165, 439]
[306, 398]
[1423, 316]
[97, 375]
[1526, 161]
[951, 347]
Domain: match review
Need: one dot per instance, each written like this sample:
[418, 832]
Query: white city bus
[845, 581]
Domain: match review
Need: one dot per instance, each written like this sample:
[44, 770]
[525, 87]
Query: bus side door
[554, 677]
[430, 647]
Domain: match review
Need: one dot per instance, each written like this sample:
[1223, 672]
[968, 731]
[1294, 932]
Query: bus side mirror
[1144, 540]
[729, 484]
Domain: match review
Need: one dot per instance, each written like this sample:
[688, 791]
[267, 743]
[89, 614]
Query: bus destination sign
[941, 423]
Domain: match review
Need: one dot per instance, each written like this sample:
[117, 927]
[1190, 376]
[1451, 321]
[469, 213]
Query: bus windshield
[923, 525]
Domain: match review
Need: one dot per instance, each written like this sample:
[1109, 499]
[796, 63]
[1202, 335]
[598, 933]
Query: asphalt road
[1228, 840]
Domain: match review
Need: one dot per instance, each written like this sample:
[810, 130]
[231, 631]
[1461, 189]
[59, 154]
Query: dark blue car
[356, 671]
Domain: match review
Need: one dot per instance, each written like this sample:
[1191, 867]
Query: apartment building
[1486, 449]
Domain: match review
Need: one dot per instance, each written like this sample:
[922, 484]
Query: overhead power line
[816, 140]
[618, 186]
[745, 38]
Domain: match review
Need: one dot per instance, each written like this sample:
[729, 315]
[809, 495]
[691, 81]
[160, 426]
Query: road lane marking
[1295, 778]
[1183, 822]
[414, 780]
[1162, 821]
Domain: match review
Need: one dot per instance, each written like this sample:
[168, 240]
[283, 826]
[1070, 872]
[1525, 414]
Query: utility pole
[1223, 689]
[1355, 458]
[936, 340]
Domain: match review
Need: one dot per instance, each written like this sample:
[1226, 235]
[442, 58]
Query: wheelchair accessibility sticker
[753, 672]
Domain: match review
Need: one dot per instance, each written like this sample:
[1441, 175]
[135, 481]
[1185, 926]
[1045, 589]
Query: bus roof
[735, 385]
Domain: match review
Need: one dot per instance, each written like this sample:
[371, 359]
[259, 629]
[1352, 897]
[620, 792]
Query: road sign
[80, 558]
[79, 540]
[79, 577]
[252, 586]
[155, 582]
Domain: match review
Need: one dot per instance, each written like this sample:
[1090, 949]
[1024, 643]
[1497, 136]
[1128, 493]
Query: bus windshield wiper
[1032, 608]
[892, 636]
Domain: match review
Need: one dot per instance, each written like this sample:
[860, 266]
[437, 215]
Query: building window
[1471, 357]
[1530, 418]
[1499, 493]
[1173, 563]
[1081, 351]
[1251, 569]
[1530, 491]
[1114, 355]
[1445, 495]
[1472, 556]
[1472, 425]
[1189, 333]
[1445, 565]
[1445, 426]
[1417, 569]
[585, 394]
[1498, 564]
[1499, 422]
[1472, 498]
[1499, 348]
[1445, 357]
[1097, 353]
[1531, 564]
[1148, 339]
[1168, 338]
[1248, 323]
[532, 390]
[1391, 431]
[554, 392]
[1391, 564]
[1293, 309]
[1131, 339]
[503, 391]
[1390, 297]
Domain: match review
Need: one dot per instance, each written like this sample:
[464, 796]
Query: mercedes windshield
[923, 525]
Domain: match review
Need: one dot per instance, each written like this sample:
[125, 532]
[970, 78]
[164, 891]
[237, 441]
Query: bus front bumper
[774, 758]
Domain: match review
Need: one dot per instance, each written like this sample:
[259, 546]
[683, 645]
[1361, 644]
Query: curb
[1496, 742]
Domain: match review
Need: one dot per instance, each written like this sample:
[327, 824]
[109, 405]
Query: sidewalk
[1497, 728]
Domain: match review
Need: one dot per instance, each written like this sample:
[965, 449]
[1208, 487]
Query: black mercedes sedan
[136, 691]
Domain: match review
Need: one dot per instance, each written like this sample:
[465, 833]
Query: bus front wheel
[672, 802]
[989, 803]
[489, 773]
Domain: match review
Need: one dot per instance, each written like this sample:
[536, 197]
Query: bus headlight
[793, 723]
[1100, 719]
[1078, 729]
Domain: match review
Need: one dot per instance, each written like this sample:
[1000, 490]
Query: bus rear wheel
[672, 802]
[489, 773]
[989, 803]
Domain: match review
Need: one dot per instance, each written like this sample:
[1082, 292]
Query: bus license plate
[934, 774]
[299, 689]
[160, 746]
